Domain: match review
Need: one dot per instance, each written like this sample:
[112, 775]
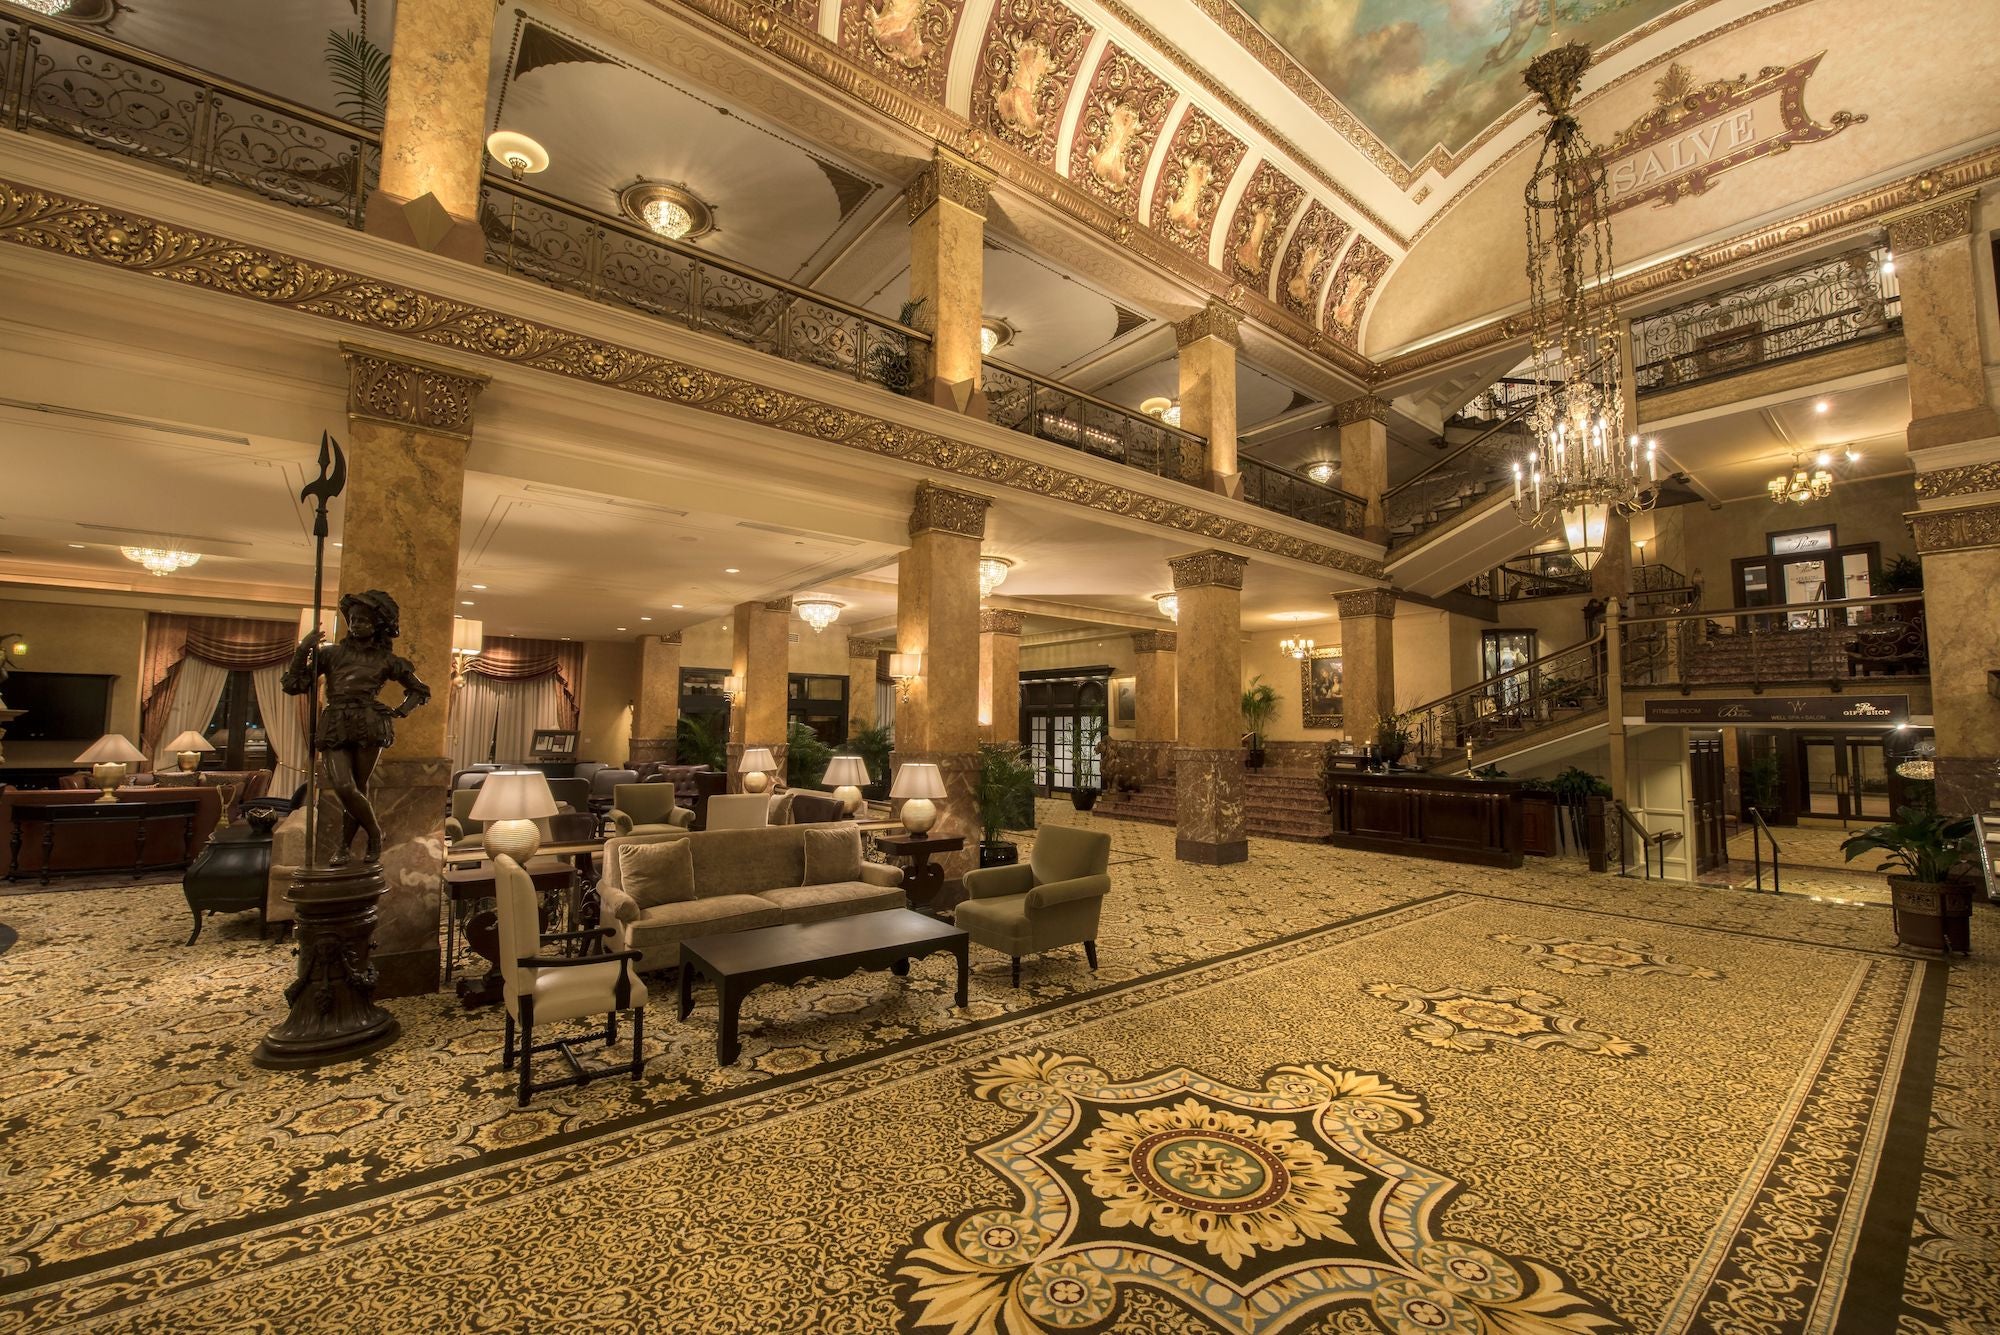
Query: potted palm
[873, 744]
[1930, 912]
[1260, 703]
[1392, 738]
[1006, 801]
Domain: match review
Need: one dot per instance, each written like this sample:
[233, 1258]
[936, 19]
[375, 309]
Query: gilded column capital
[999, 621]
[672, 639]
[1207, 569]
[868, 649]
[1965, 529]
[390, 387]
[952, 179]
[1215, 320]
[948, 510]
[1963, 480]
[1366, 603]
[1932, 223]
[1365, 408]
[1155, 642]
[783, 604]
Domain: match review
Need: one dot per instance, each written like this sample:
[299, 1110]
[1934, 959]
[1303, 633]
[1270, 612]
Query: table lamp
[509, 804]
[921, 785]
[189, 747]
[850, 772]
[107, 757]
[755, 765]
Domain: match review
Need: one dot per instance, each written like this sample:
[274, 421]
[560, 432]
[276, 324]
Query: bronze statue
[355, 726]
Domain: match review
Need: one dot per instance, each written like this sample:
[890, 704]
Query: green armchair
[1052, 901]
[647, 808]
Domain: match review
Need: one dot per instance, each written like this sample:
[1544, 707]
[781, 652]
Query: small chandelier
[1170, 606]
[819, 613]
[992, 574]
[666, 209]
[1292, 648]
[1800, 487]
[1323, 471]
[994, 334]
[161, 560]
[47, 8]
[1584, 465]
[1165, 409]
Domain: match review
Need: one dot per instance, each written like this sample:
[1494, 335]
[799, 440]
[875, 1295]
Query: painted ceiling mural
[1434, 73]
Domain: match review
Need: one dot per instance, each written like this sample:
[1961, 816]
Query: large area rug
[1325, 1091]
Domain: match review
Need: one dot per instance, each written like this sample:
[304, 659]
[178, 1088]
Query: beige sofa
[742, 879]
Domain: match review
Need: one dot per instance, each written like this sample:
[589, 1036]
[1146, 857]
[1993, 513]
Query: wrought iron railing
[1047, 410]
[1552, 689]
[1505, 396]
[1845, 299]
[98, 91]
[1512, 582]
[1796, 643]
[1287, 493]
[1759, 834]
[1457, 482]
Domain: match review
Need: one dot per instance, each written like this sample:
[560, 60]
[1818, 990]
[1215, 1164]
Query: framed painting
[1124, 702]
[1319, 689]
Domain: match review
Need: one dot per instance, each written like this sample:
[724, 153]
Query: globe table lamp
[850, 772]
[755, 767]
[188, 747]
[108, 757]
[509, 803]
[921, 785]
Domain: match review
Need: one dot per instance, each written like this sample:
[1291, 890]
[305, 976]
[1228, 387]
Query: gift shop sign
[1697, 134]
[1882, 709]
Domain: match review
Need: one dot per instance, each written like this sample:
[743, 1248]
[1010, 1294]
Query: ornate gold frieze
[1155, 642]
[1964, 480]
[1207, 569]
[1966, 529]
[954, 180]
[948, 510]
[1269, 201]
[907, 42]
[1308, 260]
[1932, 224]
[1196, 168]
[671, 637]
[783, 604]
[1364, 408]
[1366, 603]
[390, 387]
[1027, 69]
[1215, 320]
[864, 649]
[1353, 287]
[1124, 109]
[60, 225]
[999, 621]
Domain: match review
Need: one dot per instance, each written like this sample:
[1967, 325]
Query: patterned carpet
[1325, 1091]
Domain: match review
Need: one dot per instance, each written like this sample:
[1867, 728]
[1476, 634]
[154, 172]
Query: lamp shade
[756, 759]
[1584, 527]
[111, 749]
[514, 795]
[906, 665]
[847, 770]
[190, 741]
[467, 635]
[918, 779]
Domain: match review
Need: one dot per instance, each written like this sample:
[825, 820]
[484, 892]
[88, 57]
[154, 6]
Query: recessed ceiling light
[677, 607]
[1820, 407]
[79, 545]
[465, 602]
[479, 586]
[565, 637]
[621, 628]
[340, 544]
[645, 618]
[1823, 460]
[731, 570]
[1854, 456]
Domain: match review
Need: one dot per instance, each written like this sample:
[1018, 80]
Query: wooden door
[1711, 832]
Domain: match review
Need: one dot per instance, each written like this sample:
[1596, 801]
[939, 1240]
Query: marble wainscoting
[1210, 826]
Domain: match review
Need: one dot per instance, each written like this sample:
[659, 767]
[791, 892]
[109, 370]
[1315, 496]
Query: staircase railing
[1647, 843]
[1425, 502]
[1759, 833]
[1550, 690]
[1831, 641]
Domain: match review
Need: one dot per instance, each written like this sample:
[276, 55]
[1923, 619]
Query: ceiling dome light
[1165, 409]
[161, 560]
[49, 8]
[668, 218]
[667, 209]
[992, 574]
[1323, 471]
[819, 613]
[1170, 606]
[520, 155]
[994, 334]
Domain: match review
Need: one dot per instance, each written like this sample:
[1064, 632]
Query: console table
[1428, 816]
[923, 880]
[92, 816]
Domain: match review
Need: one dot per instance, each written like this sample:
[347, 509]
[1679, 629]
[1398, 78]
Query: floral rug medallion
[1460, 1019]
[1252, 1208]
[1598, 956]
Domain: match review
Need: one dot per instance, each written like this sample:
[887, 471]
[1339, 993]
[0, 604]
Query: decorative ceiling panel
[1308, 259]
[1124, 110]
[1026, 71]
[1354, 283]
[1259, 225]
[907, 42]
[1199, 162]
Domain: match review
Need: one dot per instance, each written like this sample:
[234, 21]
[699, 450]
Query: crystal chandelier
[994, 334]
[667, 209]
[161, 560]
[668, 218]
[50, 8]
[1170, 606]
[1583, 465]
[1292, 648]
[992, 574]
[1323, 471]
[1800, 487]
[1165, 409]
[819, 613]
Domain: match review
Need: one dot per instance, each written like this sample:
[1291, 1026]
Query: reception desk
[1428, 816]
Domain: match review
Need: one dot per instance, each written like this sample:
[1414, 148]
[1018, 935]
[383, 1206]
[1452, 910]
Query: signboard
[1889, 709]
[1698, 133]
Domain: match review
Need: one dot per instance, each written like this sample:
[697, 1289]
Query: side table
[466, 887]
[923, 880]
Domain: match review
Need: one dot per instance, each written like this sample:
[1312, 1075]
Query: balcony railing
[1794, 644]
[1063, 416]
[1846, 299]
[1287, 493]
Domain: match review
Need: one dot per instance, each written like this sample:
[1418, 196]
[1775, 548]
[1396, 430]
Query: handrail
[1757, 849]
[1121, 409]
[1353, 510]
[1644, 384]
[1539, 663]
[1473, 444]
[1773, 609]
[1645, 844]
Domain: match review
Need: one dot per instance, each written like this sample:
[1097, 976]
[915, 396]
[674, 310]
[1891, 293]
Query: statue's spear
[320, 491]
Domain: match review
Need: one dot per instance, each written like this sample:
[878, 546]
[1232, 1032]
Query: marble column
[948, 203]
[408, 426]
[1208, 760]
[434, 128]
[1364, 458]
[937, 616]
[1155, 701]
[656, 714]
[1208, 342]
[762, 632]
[1367, 661]
[1933, 245]
[1611, 577]
[999, 675]
[862, 659]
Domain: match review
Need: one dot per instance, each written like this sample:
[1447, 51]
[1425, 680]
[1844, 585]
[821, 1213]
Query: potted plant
[873, 745]
[1006, 801]
[806, 756]
[1929, 911]
[696, 743]
[1260, 703]
[1762, 778]
[1392, 738]
[1905, 574]
[1574, 788]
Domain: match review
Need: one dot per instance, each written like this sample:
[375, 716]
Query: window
[236, 729]
[1501, 652]
[819, 702]
[1062, 722]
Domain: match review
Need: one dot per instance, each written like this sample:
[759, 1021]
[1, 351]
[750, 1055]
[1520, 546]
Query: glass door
[1845, 777]
[1500, 652]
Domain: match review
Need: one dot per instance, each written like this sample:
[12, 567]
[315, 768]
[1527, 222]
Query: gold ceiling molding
[1857, 212]
[999, 621]
[865, 649]
[1970, 528]
[672, 637]
[1207, 570]
[1364, 408]
[783, 604]
[948, 510]
[952, 179]
[1948, 218]
[1366, 603]
[59, 225]
[1155, 642]
[402, 391]
[1215, 320]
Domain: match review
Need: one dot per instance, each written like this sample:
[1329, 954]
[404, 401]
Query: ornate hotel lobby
[1000, 666]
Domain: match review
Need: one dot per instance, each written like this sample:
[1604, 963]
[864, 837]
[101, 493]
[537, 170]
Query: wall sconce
[904, 669]
[468, 638]
[732, 686]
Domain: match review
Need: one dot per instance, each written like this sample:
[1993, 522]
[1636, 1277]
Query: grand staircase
[1278, 804]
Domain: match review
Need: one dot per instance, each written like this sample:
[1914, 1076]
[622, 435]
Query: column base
[651, 750]
[1211, 855]
[1966, 784]
[961, 396]
[1142, 762]
[409, 798]
[424, 223]
[1953, 428]
[1209, 825]
[958, 812]
[1226, 484]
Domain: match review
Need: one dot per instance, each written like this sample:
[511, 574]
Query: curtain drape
[197, 685]
[233, 643]
[521, 660]
[523, 707]
[474, 707]
[284, 727]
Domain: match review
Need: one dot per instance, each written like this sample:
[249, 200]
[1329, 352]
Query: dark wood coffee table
[740, 962]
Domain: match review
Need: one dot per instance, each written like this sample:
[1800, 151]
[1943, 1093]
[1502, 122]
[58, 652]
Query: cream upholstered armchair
[549, 988]
[1052, 901]
[647, 808]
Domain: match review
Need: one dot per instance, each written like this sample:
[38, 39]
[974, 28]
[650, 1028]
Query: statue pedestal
[334, 1017]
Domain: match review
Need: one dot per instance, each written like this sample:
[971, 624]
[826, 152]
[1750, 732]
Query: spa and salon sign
[1696, 134]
